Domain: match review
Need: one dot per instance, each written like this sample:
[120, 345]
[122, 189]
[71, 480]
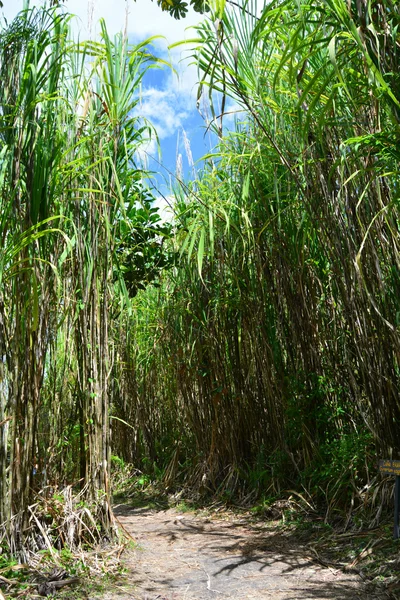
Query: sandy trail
[188, 557]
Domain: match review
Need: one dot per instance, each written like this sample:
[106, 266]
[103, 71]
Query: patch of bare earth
[189, 557]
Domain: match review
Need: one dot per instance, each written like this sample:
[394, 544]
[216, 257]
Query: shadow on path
[187, 557]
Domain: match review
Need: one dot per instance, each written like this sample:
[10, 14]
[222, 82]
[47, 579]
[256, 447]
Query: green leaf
[200, 252]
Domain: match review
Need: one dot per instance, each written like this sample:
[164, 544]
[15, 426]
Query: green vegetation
[76, 222]
[268, 360]
[249, 349]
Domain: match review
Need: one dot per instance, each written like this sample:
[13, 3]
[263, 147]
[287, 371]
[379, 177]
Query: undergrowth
[66, 550]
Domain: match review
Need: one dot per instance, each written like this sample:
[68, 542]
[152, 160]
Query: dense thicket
[270, 357]
[78, 236]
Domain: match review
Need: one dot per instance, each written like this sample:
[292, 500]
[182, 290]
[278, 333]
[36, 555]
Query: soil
[187, 556]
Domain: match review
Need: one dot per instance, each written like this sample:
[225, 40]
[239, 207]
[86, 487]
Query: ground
[186, 556]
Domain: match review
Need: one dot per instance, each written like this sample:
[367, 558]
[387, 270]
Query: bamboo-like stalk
[281, 323]
[68, 137]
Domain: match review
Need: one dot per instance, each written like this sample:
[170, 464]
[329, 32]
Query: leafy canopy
[179, 8]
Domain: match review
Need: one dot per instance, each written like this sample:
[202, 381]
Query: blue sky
[168, 101]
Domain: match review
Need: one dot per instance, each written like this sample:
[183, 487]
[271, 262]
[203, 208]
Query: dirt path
[188, 557]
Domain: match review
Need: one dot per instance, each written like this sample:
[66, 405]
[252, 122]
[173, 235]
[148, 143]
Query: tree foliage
[178, 8]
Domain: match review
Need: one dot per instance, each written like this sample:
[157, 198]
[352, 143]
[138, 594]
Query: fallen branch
[49, 587]
[124, 529]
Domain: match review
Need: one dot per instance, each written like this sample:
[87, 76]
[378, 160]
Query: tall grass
[70, 208]
[271, 355]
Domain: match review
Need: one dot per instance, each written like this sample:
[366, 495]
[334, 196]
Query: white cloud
[145, 17]
[145, 151]
[168, 107]
[163, 109]
[233, 111]
[165, 207]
